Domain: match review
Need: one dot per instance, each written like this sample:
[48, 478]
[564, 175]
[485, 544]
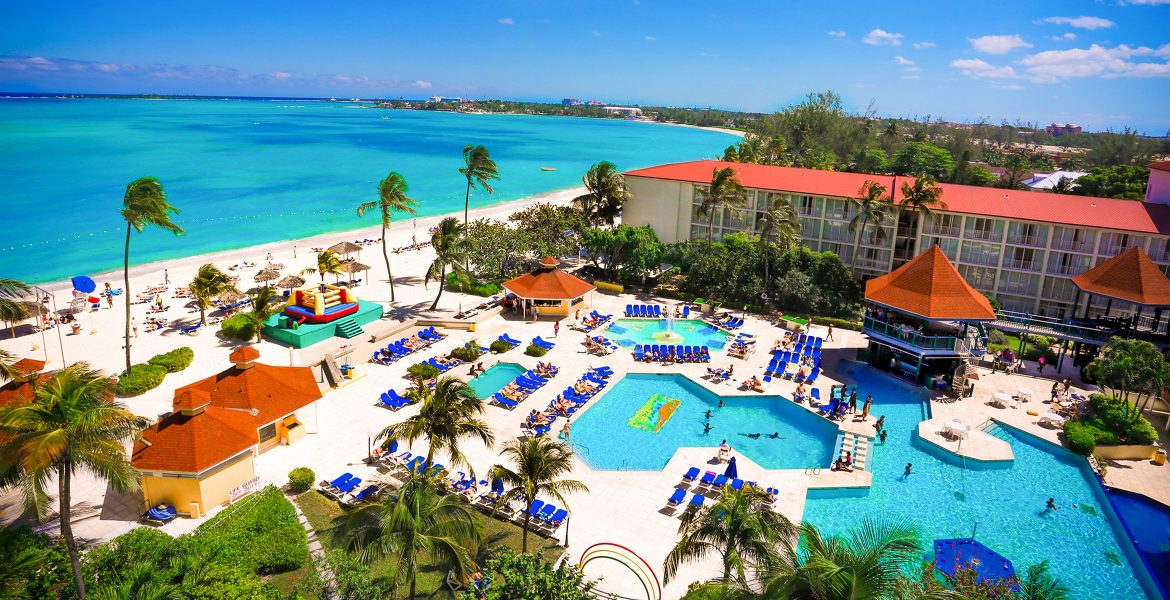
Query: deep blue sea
[247, 172]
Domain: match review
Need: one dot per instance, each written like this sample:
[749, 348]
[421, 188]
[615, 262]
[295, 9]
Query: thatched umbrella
[345, 248]
[266, 275]
[230, 297]
[290, 282]
[353, 266]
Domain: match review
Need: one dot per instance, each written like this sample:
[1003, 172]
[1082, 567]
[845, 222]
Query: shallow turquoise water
[603, 437]
[1006, 505]
[246, 172]
[628, 332]
[496, 377]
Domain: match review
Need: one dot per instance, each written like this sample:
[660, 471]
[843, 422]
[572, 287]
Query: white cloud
[279, 74]
[974, 67]
[1053, 66]
[1089, 23]
[911, 69]
[505, 21]
[596, 33]
[1006, 86]
[903, 61]
[910, 77]
[651, 38]
[922, 45]
[999, 44]
[837, 33]
[422, 84]
[1066, 37]
[879, 37]
[1146, 2]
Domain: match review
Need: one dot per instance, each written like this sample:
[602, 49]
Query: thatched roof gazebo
[266, 275]
[291, 281]
[345, 248]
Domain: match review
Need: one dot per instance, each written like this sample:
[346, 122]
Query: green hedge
[422, 372]
[499, 347]
[174, 361]
[468, 352]
[260, 533]
[238, 327]
[1109, 425]
[141, 378]
[463, 283]
[301, 479]
[534, 350]
[838, 323]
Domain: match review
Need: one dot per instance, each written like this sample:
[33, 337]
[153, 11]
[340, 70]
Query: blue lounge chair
[536, 506]
[816, 395]
[629, 310]
[686, 312]
[720, 481]
[505, 402]
[831, 406]
[342, 479]
[366, 492]
[510, 340]
[191, 328]
[546, 512]
[697, 500]
[708, 478]
[657, 310]
[691, 474]
[349, 486]
[736, 484]
[677, 497]
[557, 518]
[812, 376]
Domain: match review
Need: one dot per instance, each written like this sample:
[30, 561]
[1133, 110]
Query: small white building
[1047, 181]
[1158, 188]
[629, 111]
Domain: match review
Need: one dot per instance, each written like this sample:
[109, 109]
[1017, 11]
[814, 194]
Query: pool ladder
[859, 445]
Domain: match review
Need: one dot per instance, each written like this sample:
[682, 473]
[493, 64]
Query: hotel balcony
[913, 339]
[1023, 265]
[1085, 246]
[952, 231]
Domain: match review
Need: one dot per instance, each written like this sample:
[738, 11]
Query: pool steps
[859, 445]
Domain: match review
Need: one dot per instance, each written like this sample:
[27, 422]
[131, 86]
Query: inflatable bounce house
[316, 313]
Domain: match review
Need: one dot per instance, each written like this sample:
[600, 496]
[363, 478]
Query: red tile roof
[1082, 211]
[268, 392]
[28, 365]
[929, 286]
[1130, 276]
[194, 443]
[548, 283]
[1161, 166]
[243, 354]
[18, 392]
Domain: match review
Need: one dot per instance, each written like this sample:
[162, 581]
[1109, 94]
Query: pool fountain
[668, 336]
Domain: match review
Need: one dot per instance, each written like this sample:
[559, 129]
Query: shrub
[534, 350]
[301, 479]
[1081, 437]
[174, 361]
[996, 337]
[260, 534]
[422, 372]
[1132, 428]
[468, 352]
[141, 378]
[464, 283]
[515, 575]
[239, 327]
[499, 347]
[838, 323]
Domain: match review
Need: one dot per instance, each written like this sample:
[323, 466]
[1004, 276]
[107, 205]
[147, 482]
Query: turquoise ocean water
[247, 172]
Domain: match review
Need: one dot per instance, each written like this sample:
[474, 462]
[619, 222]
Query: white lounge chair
[956, 429]
[1051, 418]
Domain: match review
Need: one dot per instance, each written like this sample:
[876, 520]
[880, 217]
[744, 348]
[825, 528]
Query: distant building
[595, 103]
[629, 111]
[571, 102]
[445, 99]
[1066, 129]
[1047, 181]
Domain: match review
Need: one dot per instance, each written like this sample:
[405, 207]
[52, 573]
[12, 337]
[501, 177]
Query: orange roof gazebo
[1130, 276]
[548, 283]
[929, 287]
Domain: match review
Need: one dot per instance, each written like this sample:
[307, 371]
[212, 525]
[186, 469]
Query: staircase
[959, 380]
[858, 445]
[993, 429]
[348, 328]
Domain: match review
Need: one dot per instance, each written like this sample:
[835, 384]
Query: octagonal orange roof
[548, 283]
[1130, 276]
[929, 287]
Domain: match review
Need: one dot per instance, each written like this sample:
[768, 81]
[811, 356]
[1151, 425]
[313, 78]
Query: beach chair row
[544, 516]
[390, 399]
[653, 311]
[443, 367]
[728, 322]
[509, 340]
[399, 349]
[791, 371]
[708, 484]
[527, 383]
[595, 379]
[652, 352]
[345, 489]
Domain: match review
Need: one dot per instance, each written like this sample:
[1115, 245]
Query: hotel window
[980, 254]
[810, 229]
[1113, 244]
[1064, 263]
[836, 208]
[1014, 304]
[836, 231]
[267, 432]
[980, 278]
[1055, 311]
[1022, 284]
[808, 206]
[1160, 249]
[942, 225]
[871, 237]
[699, 232]
[1027, 259]
[844, 251]
[1073, 238]
[948, 246]
[1028, 234]
[738, 218]
[1060, 289]
[872, 258]
[984, 229]
[762, 200]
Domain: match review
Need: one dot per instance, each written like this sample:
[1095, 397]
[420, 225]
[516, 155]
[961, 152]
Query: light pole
[60, 339]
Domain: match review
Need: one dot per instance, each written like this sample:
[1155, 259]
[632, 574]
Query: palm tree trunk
[126, 282]
[710, 227]
[202, 313]
[857, 246]
[727, 565]
[766, 278]
[67, 528]
[466, 204]
[524, 535]
[386, 257]
[442, 280]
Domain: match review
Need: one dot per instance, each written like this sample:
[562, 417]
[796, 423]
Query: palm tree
[328, 263]
[413, 523]
[724, 191]
[12, 306]
[450, 251]
[479, 168]
[740, 527]
[145, 203]
[1039, 584]
[1064, 185]
[8, 371]
[73, 423]
[265, 303]
[923, 196]
[872, 206]
[606, 192]
[449, 413]
[779, 221]
[13, 313]
[138, 581]
[865, 565]
[538, 463]
[392, 198]
[209, 282]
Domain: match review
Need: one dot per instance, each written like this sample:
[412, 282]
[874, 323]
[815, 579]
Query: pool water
[1004, 504]
[604, 438]
[1148, 525]
[495, 378]
[691, 332]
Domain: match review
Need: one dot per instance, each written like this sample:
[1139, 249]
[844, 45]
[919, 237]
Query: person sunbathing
[800, 392]
[583, 388]
[802, 372]
[753, 382]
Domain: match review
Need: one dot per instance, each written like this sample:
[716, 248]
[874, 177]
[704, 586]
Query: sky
[1100, 64]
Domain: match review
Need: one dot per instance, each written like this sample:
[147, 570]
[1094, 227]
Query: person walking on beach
[166, 277]
[853, 402]
[829, 337]
[294, 251]
[134, 325]
[556, 328]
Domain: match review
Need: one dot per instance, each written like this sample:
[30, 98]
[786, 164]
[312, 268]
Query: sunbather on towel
[584, 388]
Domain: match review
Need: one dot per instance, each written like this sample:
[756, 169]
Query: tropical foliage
[328, 263]
[209, 282]
[1119, 181]
[479, 169]
[392, 199]
[265, 302]
[624, 251]
[870, 207]
[449, 414]
[605, 194]
[536, 466]
[144, 204]
[451, 250]
[724, 192]
[13, 302]
[515, 576]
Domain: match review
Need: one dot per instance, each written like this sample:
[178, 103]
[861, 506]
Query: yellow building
[200, 456]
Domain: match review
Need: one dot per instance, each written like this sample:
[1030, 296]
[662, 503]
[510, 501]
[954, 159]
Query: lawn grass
[325, 515]
[285, 582]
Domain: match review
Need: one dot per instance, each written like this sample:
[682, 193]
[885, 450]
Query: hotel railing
[1023, 265]
[1030, 322]
[1069, 269]
[911, 337]
[1073, 246]
[952, 231]
[1025, 240]
[979, 234]
[982, 260]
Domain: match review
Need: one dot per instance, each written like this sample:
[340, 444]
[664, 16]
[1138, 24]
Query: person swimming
[754, 436]
[706, 428]
[774, 435]
[708, 413]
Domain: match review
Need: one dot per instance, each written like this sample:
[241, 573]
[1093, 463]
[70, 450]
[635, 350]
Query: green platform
[278, 327]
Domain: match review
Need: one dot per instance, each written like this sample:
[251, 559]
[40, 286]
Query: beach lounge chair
[557, 518]
[629, 310]
[367, 493]
[812, 376]
[686, 312]
[190, 329]
[535, 509]
[543, 344]
[332, 485]
[720, 481]
[696, 501]
[691, 474]
[708, 478]
[657, 310]
[348, 486]
[816, 395]
[510, 340]
[501, 400]
[677, 497]
[736, 484]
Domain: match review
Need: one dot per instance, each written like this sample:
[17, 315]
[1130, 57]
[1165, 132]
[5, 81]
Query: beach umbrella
[83, 284]
[345, 248]
[266, 275]
[230, 297]
[352, 267]
[290, 281]
[732, 471]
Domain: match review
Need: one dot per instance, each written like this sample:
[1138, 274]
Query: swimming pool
[495, 378]
[1003, 505]
[605, 438]
[1148, 524]
[689, 332]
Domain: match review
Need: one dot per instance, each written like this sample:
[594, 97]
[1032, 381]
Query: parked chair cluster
[390, 399]
[801, 364]
[650, 311]
[509, 340]
[727, 321]
[407, 345]
[708, 484]
[668, 353]
[568, 402]
[339, 488]
[516, 392]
